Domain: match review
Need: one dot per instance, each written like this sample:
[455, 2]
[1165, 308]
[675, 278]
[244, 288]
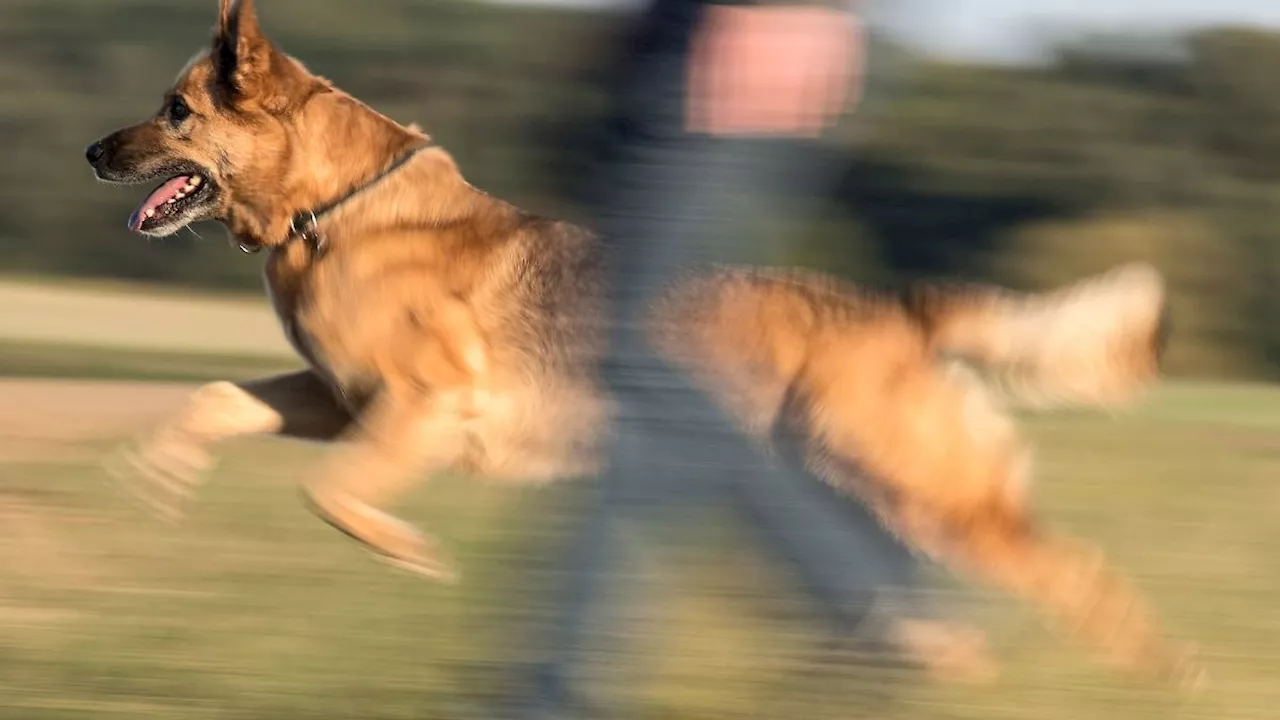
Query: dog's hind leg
[995, 535]
[947, 473]
[396, 442]
[1072, 582]
[162, 470]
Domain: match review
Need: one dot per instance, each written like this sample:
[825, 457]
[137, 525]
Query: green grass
[139, 317]
[185, 293]
[254, 609]
[134, 331]
[70, 360]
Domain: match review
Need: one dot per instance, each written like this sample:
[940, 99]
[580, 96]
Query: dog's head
[220, 142]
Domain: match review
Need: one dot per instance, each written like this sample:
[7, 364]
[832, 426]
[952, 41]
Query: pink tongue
[159, 197]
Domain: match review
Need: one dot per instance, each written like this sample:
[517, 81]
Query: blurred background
[998, 142]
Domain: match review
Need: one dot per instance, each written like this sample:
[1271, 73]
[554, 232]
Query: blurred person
[717, 102]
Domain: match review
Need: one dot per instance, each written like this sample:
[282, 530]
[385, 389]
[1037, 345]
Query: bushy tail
[1097, 342]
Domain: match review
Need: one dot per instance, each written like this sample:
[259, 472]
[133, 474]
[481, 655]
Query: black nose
[94, 153]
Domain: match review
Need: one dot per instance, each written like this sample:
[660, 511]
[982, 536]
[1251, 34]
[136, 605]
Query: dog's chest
[288, 308]
[307, 318]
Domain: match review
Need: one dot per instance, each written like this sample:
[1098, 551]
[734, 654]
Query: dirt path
[36, 415]
[48, 422]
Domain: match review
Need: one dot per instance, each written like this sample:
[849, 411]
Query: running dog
[445, 330]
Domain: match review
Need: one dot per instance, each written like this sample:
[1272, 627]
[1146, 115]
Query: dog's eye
[178, 111]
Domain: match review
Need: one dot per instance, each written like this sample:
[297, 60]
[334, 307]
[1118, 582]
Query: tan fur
[445, 330]
[858, 386]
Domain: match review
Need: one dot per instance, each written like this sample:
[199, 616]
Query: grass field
[118, 331]
[253, 609]
[138, 318]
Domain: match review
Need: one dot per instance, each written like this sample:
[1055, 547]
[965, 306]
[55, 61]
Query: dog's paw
[159, 475]
[1184, 671]
[425, 562]
[389, 539]
[950, 652]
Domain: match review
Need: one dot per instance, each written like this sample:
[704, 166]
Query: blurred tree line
[1119, 148]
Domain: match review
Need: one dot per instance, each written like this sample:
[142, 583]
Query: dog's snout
[94, 152]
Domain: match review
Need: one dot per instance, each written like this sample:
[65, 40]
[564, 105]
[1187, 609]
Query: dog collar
[305, 224]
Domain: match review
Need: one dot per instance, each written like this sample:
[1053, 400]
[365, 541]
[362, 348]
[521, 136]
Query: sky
[1010, 30]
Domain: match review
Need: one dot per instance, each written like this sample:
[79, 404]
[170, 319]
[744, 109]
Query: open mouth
[176, 203]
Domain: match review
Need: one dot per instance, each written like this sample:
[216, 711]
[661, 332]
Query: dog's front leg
[397, 441]
[163, 469]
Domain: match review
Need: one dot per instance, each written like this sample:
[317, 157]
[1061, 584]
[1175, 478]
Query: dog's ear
[241, 53]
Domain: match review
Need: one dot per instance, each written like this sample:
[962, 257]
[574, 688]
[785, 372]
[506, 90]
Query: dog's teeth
[189, 187]
[151, 212]
[195, 180]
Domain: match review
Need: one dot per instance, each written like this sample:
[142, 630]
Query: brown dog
[446, 330]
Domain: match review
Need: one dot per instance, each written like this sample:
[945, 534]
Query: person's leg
[661, 203]
[661, 208]
[866, 582]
